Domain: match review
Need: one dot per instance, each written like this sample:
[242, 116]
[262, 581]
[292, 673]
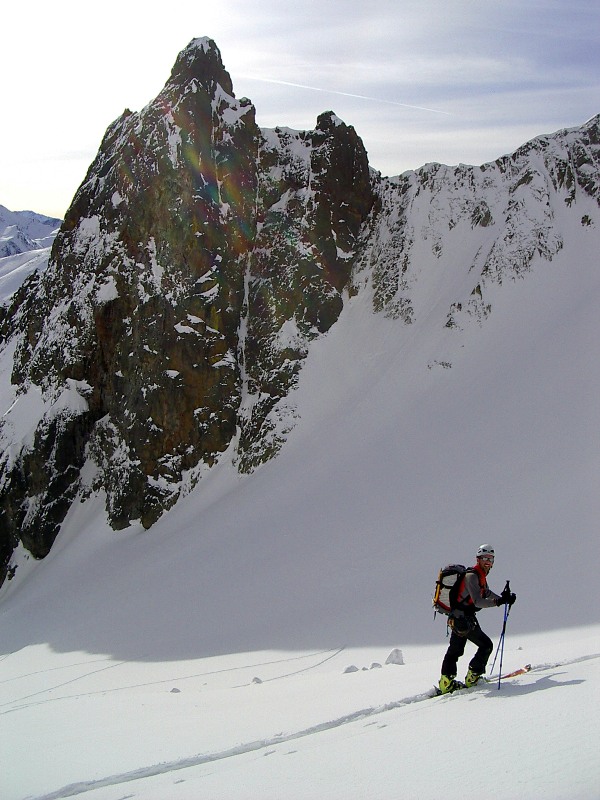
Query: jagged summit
[328, 120]
[201, 61]
[199, 260]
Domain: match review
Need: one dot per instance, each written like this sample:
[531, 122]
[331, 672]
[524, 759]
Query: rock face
[196, 262]
[315, 193]
[200, 257]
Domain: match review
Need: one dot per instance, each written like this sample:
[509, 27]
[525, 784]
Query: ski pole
[497, 650]
[506, 613]
[501, 640]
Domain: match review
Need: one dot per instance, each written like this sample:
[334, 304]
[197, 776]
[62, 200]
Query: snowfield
[267, 725]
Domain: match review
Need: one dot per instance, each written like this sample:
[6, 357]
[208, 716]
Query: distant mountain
[25, 242]
[200, 260]
[21, 231]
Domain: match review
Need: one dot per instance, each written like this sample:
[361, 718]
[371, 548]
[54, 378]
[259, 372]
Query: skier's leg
[484, 646]
[455, 650]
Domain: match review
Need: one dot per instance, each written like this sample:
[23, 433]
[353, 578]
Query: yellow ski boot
[448, 684]
[472, 678]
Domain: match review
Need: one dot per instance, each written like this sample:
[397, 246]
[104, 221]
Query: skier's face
[487, 562]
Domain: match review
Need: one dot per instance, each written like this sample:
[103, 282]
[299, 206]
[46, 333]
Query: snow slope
[297, 725]
[16, 268]
[325, 558]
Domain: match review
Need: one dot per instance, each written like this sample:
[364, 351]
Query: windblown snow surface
[209, 656]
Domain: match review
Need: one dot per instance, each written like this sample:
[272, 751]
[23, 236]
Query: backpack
[446, 588]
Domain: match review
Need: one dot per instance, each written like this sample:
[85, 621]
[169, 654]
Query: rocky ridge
[200, 257]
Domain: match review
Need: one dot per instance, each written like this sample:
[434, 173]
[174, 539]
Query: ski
[461, 686]
[513, 674]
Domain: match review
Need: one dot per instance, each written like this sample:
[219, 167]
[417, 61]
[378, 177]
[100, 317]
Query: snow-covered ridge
[490, 222]
[21, 231]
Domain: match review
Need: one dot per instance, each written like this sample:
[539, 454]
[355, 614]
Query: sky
[466, 81]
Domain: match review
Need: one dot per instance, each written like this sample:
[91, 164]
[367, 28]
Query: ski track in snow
[329, 654]
[74, 789]
[49, 669]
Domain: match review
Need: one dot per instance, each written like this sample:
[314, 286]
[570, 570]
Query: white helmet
[485, 550]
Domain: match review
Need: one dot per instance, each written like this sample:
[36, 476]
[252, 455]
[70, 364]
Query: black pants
[467, 629]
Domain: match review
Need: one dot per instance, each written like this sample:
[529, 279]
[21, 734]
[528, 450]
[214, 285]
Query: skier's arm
[487, 600]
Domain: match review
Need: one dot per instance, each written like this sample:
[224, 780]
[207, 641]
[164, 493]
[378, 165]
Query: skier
[473, 594]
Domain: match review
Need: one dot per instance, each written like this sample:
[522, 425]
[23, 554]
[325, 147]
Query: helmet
[485, 550]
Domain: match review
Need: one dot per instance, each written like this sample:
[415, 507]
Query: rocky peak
[201, 62]
[148, 270]
[198, 259]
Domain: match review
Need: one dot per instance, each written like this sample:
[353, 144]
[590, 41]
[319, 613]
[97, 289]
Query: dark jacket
[474, 593]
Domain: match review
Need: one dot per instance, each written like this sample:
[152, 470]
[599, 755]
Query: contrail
[346, 94]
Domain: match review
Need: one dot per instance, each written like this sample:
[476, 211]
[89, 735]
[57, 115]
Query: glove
[507, 598]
